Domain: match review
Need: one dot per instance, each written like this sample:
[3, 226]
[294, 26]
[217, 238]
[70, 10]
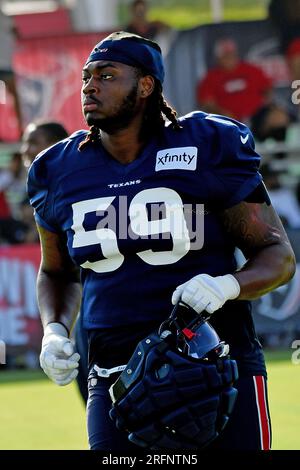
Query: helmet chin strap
[102, 372]
[192, 333]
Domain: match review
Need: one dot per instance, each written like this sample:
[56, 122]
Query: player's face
[109, 95]
[34, 141]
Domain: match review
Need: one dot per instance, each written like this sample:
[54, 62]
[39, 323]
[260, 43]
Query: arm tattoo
[253, 226]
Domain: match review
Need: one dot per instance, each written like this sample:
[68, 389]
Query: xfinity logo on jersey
[177, 158]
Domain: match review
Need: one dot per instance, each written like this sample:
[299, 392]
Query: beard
[122, 117]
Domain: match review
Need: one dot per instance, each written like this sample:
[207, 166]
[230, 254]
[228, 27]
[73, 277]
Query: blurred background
[240, 58]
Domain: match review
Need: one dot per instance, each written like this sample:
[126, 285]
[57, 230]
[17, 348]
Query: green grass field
[36, 414]
[284, 385]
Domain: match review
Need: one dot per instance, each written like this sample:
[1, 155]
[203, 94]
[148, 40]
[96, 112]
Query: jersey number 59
[172, 223]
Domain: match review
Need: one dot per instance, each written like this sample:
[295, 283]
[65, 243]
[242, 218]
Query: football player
[37, 137]
[40, 135]
[145, 208]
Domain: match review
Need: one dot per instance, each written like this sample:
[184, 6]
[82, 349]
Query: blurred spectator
[242, 91]
[284, 199]
[40, 135]
[7, 43]
[17, 188]
[293, 58]
[12, 230]
[36, 138]
[285, 14]
[12, 177]
[139, 24]
[19, 226]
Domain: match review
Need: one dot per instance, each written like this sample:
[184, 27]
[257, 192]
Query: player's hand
[57, 358]
[204, 292]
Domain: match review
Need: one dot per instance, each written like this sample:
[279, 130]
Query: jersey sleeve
[40, 195]
[234, 164]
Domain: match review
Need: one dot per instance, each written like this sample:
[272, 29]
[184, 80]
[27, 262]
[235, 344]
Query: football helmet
[177, 389]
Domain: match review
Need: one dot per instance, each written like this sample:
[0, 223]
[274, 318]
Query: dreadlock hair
[157, 111]
[92, 137]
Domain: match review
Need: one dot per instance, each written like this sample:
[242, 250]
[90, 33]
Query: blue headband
[132, 50]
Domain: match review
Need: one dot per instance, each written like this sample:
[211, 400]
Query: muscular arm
[258, 232]
[58, 284]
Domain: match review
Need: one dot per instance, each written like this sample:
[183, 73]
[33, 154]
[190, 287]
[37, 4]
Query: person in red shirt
[241, 90]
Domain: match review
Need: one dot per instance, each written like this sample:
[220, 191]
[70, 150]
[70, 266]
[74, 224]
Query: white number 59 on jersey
[173, 223]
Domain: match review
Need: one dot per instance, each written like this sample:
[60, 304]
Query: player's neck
[124, 145]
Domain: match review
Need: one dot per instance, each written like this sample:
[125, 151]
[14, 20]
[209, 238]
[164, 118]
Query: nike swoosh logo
[244, 139]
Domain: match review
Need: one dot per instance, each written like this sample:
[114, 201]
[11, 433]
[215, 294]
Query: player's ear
[146, 86]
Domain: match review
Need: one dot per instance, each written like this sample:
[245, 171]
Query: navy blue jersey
[139, 230]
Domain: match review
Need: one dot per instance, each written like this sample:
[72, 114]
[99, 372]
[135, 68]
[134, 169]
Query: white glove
[204, 292]
[57, 357]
